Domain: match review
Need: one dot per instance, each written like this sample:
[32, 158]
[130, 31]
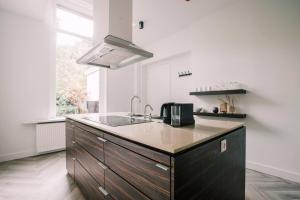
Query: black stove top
[114, 120]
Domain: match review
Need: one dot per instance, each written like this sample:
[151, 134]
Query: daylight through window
[77, 86]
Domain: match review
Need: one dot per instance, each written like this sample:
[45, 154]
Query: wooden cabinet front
[148, 176]
[119, 189]
[209, 172]
[91, 164]
[70, 153]
[90, 142]
[89, 187]
[144, 151]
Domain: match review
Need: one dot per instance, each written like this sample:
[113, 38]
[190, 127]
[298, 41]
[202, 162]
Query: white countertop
[162, 136]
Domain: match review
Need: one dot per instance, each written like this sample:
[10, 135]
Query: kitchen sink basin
[114, 120]
[136, 115]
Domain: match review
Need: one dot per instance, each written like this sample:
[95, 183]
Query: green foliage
[64, 106]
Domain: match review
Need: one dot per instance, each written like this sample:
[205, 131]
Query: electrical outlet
[223, 146]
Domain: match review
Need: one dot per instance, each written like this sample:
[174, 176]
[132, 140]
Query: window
[77, 86]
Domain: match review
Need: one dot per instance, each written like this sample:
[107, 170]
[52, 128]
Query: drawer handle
[102, 165]
[101, 139]
[104, 192]
[162, 167]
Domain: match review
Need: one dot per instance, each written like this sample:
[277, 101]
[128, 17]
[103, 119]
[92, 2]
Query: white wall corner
[103, 90]
[138, 85]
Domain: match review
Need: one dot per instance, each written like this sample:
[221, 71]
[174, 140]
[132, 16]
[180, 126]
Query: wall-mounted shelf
[229, 115]
[219, 92]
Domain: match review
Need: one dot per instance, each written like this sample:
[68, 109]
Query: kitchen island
[156, 161]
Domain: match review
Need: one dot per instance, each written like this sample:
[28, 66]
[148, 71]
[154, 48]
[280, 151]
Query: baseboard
[52, 151]
[20, 155]
[292, 176]
[15, 156]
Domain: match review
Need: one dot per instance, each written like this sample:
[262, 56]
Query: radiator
[50, 137]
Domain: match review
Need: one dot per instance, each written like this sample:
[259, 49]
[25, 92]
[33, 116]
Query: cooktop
[114, 120]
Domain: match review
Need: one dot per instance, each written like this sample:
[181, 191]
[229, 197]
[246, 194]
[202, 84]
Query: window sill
[47, 121]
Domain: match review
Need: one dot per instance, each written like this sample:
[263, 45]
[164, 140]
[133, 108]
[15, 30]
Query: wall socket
[223, 146]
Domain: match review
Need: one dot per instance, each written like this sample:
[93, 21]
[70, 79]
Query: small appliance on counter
[182, 114]
[165, 112]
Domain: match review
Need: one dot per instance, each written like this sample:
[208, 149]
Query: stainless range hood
[114, 53]
[116, 49]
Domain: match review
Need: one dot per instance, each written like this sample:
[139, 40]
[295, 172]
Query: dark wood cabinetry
[112, 168]
[150, 177]
[90, 142]
[70, 153]
[120, 189]
[144, 151]
[87, 184]
[92, 165]
[208, 173]
[232, 186]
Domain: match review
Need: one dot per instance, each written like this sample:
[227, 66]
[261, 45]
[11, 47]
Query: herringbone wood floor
[45, 178]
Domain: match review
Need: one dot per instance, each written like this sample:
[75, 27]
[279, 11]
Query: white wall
[256, 43]
[92, 85]
[120, 89]
[26, 81]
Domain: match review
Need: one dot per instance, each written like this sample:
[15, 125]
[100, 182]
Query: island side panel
[206, 173]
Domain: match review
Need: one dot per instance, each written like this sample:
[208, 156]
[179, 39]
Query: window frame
[69, 33]
[74, 12]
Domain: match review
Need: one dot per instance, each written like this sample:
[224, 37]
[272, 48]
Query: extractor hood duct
[116, 50]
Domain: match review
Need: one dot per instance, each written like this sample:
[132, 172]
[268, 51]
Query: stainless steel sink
[113, 120]
[141, 115]
[136, 115]
[156, 117]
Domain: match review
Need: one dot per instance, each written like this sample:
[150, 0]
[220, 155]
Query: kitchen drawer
[148, 176]
[91, 164]
[119, 189]
[90, 142]
[70, 138]
[149, 153]
[89, 129]
[88, 186]
[69, 122]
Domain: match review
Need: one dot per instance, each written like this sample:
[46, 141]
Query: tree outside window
[73, 39]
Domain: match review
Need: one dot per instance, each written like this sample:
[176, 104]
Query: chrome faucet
[145, 111]
[131, 102]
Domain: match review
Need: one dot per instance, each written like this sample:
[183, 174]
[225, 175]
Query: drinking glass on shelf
[236, 85]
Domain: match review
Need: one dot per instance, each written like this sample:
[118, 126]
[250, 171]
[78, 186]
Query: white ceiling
[30, 8]
[162, 17]
[37, 8]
